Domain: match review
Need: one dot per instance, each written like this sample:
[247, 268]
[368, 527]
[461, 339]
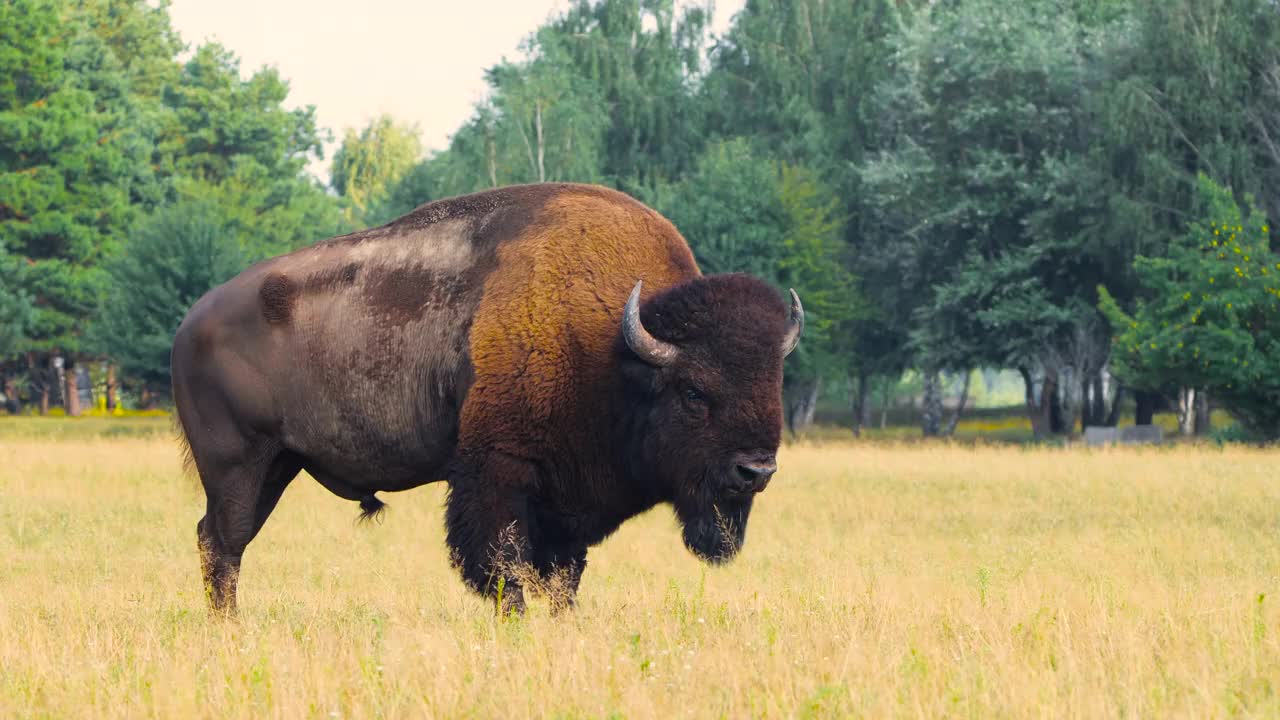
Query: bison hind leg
[371, 508]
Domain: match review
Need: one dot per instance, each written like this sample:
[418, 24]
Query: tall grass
[877, 580]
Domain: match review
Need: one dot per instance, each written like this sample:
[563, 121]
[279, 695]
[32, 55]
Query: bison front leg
[560, 570]
[487, 519]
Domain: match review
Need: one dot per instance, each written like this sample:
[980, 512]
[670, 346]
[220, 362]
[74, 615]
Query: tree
[1211, 320]
[68, 164]
[174, 256]
[985, 135]
[544, 123]
[15, 317]
[642, 60]
[15, 307]
[370, 163]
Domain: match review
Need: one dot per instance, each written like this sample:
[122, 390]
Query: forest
[1075, 191]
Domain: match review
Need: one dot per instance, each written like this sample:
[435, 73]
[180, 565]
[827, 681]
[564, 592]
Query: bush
[1212, 317]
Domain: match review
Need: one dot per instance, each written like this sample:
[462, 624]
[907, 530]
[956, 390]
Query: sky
[422, 62]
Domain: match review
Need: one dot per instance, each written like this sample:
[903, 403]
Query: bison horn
[795, 328]
[649, 348]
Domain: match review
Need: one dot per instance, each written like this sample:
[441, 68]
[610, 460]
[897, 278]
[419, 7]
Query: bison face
[703, 369]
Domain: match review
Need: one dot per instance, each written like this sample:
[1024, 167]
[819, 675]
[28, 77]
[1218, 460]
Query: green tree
[231, 139]
[15, 307]
[370, 163]
[1211, 322]
[172, 258]
[15, 318]
[642, 60]
[985, 129]
[70, 162]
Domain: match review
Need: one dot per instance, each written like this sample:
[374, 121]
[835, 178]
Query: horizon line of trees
[1078, 190]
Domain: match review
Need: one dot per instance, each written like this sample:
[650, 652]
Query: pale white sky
[422, 62]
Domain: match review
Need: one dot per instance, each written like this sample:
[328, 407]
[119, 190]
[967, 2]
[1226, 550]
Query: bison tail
[371, 508]
[184, 447]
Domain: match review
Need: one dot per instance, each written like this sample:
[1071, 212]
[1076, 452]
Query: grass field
[877, 580]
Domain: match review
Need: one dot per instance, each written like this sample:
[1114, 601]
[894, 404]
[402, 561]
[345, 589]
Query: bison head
[702, 365]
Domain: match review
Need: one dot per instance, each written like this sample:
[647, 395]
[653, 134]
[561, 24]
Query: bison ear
[647, 347]
[795, 326]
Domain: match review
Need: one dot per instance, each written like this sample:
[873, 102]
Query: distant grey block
[1100, 436]
[1142, 435]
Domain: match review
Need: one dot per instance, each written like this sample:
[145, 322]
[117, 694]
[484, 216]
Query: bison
[551, 350]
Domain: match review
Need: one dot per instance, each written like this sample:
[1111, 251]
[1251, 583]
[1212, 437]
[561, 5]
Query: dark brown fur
[278, 294]
[477, 339]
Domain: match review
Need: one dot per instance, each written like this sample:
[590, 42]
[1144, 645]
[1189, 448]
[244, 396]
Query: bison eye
[694, 396]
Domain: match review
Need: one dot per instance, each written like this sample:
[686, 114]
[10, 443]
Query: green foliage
[368, 164]
[1212, 317]
[219, 120]
[15, 307]
[171, 259]
[68, 163]
[99, 125]
[1194, 91]
[640, 59]
[746, 212]
[984, 122]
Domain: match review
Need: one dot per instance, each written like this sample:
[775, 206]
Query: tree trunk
[1057, 424]
[111, 386]
[1204, 417]
[39, 381]
[931, 404]
[56, 381]
[1113, 418]
[1087, 415]
[1186, 411]
[811, 405]
[964, 399]
[860, 403]
[1037, 408]
[802, 404]
[1146, 407]
[11, 401]
[1097, 409]
[886, 399]
[70, 392]
[145, 399]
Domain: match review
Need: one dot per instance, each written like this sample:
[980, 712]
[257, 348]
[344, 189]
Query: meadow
[879, 579]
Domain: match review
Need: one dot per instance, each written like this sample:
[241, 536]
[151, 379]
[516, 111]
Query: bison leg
[488, 528]
[238, 502]
[560, 568]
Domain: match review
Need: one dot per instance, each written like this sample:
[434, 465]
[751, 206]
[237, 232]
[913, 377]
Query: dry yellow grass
[877, 580]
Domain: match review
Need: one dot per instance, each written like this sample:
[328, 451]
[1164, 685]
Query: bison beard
[716, 535]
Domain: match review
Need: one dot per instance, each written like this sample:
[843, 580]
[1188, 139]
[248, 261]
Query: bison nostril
[757, 474]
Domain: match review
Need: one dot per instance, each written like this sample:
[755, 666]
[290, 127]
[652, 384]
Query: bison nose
[756, 475]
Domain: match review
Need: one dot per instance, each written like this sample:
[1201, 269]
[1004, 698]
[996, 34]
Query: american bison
[551, 350]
